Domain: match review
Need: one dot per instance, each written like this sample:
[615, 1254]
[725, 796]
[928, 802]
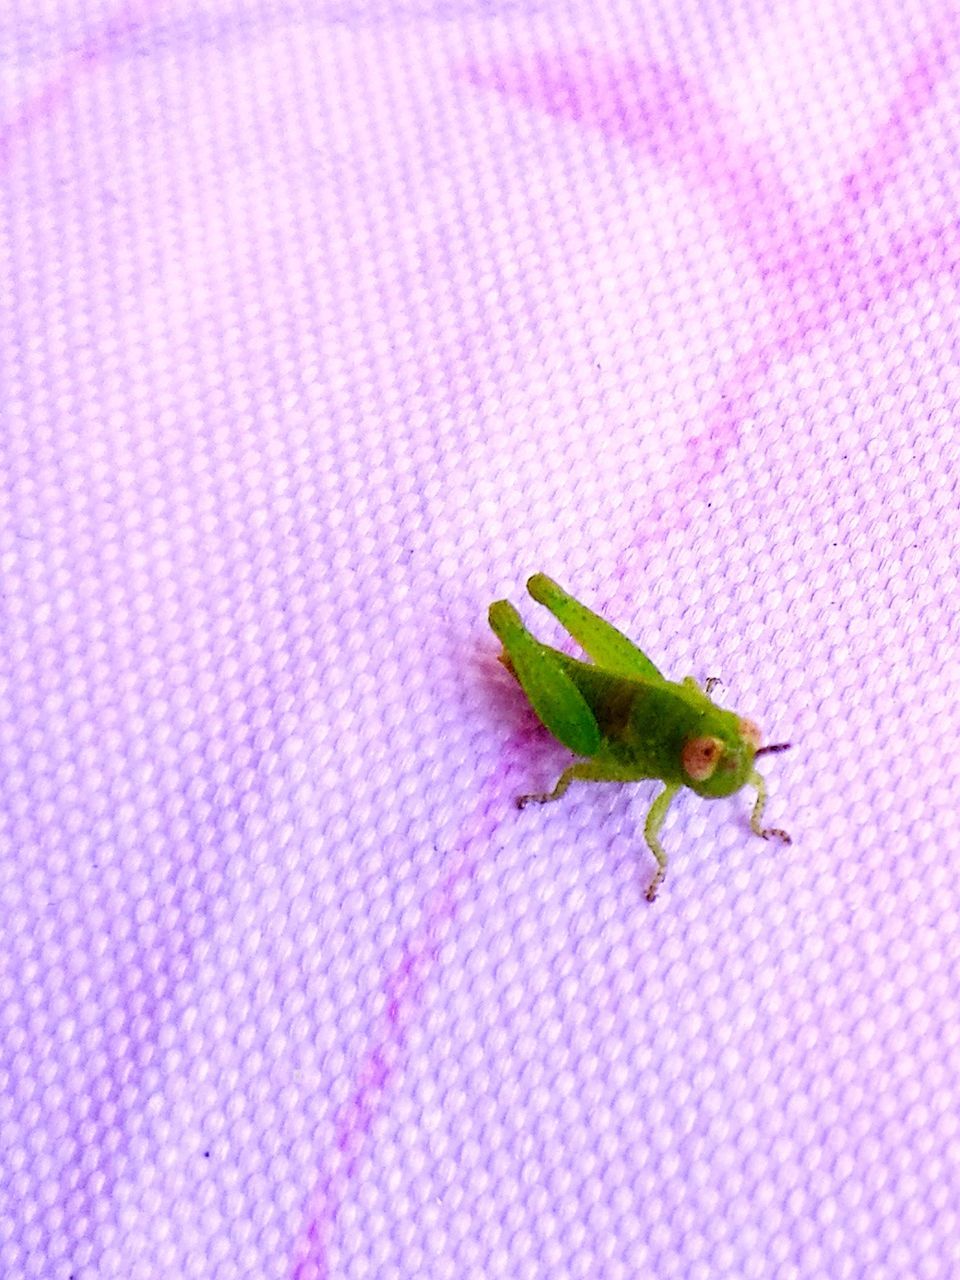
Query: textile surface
[323, 326]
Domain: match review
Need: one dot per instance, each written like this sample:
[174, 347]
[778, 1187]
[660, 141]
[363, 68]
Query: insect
[628, 720]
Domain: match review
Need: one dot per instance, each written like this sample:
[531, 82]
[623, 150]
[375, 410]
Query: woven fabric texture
[325, 323]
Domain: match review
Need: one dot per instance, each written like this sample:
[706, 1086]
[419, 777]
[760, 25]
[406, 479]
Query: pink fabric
[325, 327]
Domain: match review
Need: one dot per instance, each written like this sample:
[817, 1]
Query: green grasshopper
[630, 721]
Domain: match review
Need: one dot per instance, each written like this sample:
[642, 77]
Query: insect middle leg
[651, 829]
[607, 771]
[585, 771]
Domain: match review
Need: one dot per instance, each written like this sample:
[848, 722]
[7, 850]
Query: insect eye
[700, 757]
[750, 732]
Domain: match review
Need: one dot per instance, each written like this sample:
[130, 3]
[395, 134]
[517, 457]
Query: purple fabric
[324, 325]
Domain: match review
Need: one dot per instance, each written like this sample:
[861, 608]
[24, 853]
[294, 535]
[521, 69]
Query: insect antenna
[772, 749]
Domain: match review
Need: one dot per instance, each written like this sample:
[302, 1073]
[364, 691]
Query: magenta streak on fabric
[43, 106]
[814, 275]
[828, 276]
[403, 989]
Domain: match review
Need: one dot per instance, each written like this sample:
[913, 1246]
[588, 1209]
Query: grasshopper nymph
[628, 720]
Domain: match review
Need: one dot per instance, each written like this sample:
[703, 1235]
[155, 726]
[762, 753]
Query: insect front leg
[756, 781]
[651, 829]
